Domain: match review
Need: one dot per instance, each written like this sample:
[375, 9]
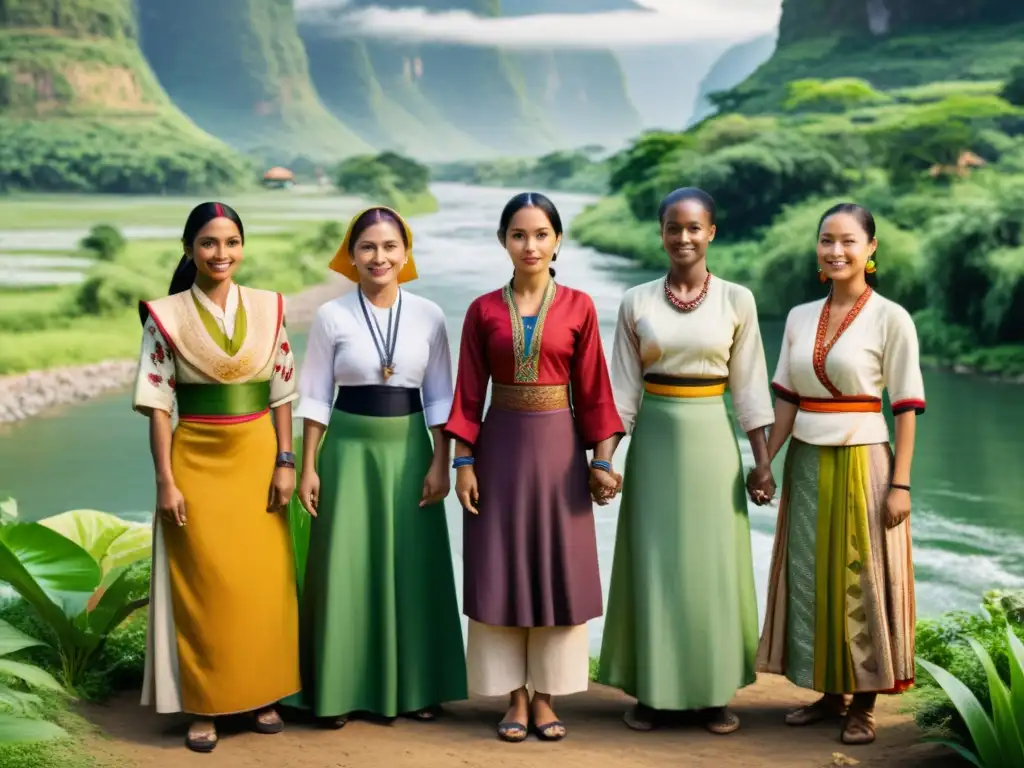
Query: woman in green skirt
[380, 627]
[681, 626]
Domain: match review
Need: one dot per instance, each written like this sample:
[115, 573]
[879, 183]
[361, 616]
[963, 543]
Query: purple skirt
[530, 556]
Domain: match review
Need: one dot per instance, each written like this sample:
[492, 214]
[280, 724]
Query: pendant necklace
[386, 352]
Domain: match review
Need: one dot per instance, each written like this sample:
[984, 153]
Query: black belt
[379, 400]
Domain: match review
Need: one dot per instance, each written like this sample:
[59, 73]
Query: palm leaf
[13, 640]
[980, 726]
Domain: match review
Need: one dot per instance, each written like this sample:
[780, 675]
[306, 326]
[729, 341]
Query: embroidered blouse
[179, 345]
[876, 349]
[721, 339]
[565, 349]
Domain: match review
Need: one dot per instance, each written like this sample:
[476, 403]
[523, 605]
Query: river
[968, 485]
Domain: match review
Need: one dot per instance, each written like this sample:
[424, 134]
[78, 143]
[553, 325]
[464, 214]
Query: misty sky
[664, 21]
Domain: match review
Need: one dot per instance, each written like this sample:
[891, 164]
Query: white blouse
[877, 351]
[225, 318]
[340, 351]
[719, 339]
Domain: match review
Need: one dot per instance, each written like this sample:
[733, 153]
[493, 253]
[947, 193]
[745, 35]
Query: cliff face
[732, 68]
[239, 70]
[802, 19]
[83, 110]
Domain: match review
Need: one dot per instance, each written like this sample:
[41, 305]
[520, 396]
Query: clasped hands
[604, 485]
[761, 485]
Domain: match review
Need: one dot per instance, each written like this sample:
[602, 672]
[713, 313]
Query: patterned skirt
[840, 612]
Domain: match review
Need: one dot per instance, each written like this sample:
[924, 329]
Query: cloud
[663, 22]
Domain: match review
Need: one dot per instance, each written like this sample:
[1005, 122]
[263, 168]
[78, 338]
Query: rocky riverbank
[31, 394]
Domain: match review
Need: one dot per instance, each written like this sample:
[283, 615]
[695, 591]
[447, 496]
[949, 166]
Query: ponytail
[182, 280]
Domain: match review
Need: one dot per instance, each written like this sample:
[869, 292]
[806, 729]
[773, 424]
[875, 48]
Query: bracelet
[463, 461]
[900, 487]
[601, 464]
[286, 459]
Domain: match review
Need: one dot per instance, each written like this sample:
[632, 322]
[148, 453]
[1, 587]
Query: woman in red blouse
[531, 578]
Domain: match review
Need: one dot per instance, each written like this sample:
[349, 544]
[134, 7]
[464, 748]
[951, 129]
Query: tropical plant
[998, 740]
[14, 725]
[72, 569]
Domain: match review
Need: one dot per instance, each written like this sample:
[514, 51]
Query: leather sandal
[553, 731]
[267, 726]
[510, 730]
[204, 742]
[825, 708]
[859, 728]
[721, 720]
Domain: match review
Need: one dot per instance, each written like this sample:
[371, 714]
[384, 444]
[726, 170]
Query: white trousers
[552, 660]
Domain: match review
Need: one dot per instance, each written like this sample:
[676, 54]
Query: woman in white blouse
[380, 625]
[681, 627]
[840, 613]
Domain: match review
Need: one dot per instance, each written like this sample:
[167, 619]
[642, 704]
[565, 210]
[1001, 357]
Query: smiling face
[531, 241]
[379, 253]
[685, 233]
[844, 248]
[217, 250]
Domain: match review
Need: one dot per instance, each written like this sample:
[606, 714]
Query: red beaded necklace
[687, 306]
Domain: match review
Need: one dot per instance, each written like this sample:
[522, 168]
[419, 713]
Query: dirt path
[465, 737]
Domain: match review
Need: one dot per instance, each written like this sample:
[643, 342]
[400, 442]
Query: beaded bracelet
[600, 464]
[462, 461]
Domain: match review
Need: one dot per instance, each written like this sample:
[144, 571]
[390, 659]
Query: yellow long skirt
[232, 571]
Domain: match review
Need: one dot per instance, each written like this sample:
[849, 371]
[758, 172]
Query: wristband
[600, 464]
[462, 461]
[900, 487]
[286, 459]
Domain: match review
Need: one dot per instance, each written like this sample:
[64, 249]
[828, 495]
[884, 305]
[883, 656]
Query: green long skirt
[380, 625]
[681, 627]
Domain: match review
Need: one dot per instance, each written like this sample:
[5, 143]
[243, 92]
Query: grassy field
[96, 319]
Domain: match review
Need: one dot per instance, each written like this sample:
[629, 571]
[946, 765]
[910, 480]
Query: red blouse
[570, 352]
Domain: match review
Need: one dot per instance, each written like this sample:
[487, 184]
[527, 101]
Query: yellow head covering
[342, 261]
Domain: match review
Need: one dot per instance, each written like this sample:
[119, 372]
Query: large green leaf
[111, 541]
[13, 640]
[14, 730]
[981, 728]
[8, 511]
[18, 701]
[53, 574]
[1011, 746]
[31, 674]
[114, 606]
[1016, 676]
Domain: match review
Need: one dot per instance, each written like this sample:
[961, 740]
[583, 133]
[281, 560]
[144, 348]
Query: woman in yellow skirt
[223, 615]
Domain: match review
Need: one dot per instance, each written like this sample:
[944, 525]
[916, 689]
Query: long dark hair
[185, 273]
[706, 201]
[530, 200]
[374, 216]
[867, 223]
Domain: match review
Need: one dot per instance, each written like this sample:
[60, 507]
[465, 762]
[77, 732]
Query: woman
[529, 545]
[840, 617]
[681, 629]
[381, 631]
[223, 618]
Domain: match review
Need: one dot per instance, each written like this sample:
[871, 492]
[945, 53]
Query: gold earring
[870, 267]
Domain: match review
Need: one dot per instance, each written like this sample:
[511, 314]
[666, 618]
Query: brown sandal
[825, 708]
[721, 721]
[859, 728]
[268, 721]
[203, 742]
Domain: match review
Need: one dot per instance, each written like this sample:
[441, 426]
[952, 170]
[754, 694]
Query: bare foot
[545, 720]
[829, 707]
[202, 736]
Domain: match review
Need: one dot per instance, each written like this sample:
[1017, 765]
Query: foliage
[1013, 90]
[76, 580]
[387, 179]
[104, 242]
[570, 171]
[837, 95]
[969, 660]
[16, 727]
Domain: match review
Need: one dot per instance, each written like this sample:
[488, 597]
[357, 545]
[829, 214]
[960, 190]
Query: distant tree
[1013, 90]
[104, 242]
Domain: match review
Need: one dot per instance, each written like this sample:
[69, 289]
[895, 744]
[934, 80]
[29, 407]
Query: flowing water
[968, 485]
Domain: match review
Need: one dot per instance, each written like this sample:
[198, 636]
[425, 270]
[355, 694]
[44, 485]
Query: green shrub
[1013, 90]
[104, 242]
[111, 287]
[837, 95]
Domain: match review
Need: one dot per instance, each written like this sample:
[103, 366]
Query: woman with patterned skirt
[223, 615]
[529, 546]
[381, 632]
[840, 613]
[681, 629]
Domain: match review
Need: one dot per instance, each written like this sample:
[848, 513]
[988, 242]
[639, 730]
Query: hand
[604, 485]
[436, 484]
[170, 503]
[281, 489]
[897, 507]
[466, 489]
[761, 485]
[309, 491]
